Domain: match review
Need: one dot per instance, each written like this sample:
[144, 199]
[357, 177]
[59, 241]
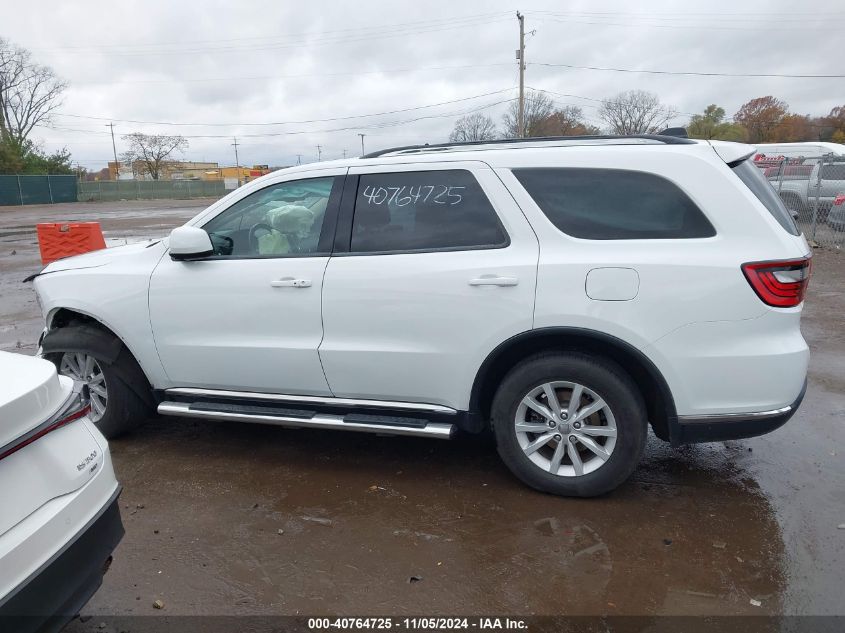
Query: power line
[289, 35]
[689, 73]
[386, 71]
[628, 24]
[243, 124]
[688, 16]
[383, 125]
[286, 36]
[297, 41]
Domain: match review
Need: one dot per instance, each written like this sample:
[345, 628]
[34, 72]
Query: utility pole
[299, 159]
[114, 149]
[237, 160]
[362, 143]
[520, 55]
[319, 153]
[344, 153]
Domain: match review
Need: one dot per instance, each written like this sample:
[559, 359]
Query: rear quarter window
[765, 193]
[614, 204]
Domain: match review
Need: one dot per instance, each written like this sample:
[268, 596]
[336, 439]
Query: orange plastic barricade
[57, 240]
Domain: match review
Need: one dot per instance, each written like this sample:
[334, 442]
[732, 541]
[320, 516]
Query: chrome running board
[386, 425]
[349, 403]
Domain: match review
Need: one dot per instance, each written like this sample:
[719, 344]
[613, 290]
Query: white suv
[567, 292]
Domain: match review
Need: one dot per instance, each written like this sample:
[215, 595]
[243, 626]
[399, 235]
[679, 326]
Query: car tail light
[781, 284]
[839, 200]
[70, 413]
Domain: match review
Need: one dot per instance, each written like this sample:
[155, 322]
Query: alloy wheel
[84, 368]
[565, 428]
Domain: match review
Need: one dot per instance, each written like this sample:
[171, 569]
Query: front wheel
[114, 382]
[569, 424]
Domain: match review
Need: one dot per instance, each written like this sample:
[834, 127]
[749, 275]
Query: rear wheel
[569, 424]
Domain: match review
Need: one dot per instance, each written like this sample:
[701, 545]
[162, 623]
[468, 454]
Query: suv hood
[97, 258]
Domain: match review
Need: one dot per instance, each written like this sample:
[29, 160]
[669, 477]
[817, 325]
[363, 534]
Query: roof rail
[666, 139]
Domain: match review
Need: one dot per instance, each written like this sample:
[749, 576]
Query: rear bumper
[57, 591]
[715, 428]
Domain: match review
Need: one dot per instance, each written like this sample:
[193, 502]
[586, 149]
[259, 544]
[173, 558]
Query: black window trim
[327, 231]
[343, 238]
[715, 235]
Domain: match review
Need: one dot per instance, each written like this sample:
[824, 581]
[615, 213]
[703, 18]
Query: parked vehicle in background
[60, 520]
[825, 181]
[566, 292]
[810, 151]
[836, 219]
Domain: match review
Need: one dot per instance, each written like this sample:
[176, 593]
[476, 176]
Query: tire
[619, 428]
[120, 395]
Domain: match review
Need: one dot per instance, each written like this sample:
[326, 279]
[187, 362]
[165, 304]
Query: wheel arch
[660, 405]
[101, 338]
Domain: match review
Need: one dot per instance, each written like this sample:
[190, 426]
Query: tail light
[77, 408]
[781, 284]
[839, 200]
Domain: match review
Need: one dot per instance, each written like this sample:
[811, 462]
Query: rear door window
[614, 204]
[423, 211]
[765, 193]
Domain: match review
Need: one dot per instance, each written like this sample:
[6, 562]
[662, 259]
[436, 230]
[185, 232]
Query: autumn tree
[565, 121]
[794, 128]
[711, 125]
[538, 107]
[761, 118]
[835, 121]
[636, 112]
[151, 153]
[473, 127]
[29, 93]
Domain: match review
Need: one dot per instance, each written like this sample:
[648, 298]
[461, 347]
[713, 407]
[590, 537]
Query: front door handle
[290, 282]
[493, 280]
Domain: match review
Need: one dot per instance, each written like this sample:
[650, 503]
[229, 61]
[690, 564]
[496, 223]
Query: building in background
[188, 170]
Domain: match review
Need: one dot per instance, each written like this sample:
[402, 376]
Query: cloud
[234, 64]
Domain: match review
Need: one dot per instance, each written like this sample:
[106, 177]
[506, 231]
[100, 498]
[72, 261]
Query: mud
[226, 518]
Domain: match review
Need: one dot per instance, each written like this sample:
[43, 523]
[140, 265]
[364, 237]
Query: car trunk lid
[45, 449]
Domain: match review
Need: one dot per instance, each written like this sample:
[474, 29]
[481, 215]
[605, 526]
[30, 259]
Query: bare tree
[473, 127]
[538, 108]
[636, 112]
[150, 153]
[29, 93]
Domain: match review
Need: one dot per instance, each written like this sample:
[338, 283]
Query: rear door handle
[493, 280]
[290, 282]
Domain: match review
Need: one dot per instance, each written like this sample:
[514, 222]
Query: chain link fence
[813, 189]
[111, 190]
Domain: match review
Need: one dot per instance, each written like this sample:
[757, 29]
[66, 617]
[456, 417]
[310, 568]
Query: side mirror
[189, 242]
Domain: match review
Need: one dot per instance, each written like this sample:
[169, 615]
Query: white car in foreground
[60, 520]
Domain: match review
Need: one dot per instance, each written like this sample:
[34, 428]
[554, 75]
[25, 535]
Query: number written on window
[423, 210]
[403, 195]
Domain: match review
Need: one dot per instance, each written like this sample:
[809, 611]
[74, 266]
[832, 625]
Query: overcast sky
[313, 68]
